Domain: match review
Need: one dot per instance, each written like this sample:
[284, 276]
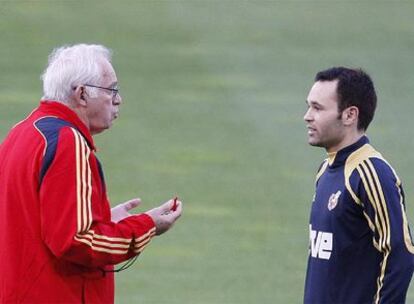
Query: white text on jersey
[321, 243]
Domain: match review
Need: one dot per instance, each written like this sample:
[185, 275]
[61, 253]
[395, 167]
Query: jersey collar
[338, 158]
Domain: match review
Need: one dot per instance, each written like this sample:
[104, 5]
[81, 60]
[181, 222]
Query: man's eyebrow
[312, 102]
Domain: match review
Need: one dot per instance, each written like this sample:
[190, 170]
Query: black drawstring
[127, 264]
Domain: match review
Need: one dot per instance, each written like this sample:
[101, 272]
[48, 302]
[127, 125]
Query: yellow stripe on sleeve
[78, 188]
[387, 240]
[373, 203]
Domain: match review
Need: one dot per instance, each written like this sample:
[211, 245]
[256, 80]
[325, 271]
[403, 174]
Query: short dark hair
[355, 88]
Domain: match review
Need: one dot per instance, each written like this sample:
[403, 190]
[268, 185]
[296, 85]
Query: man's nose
[307, 116]
[118, 99]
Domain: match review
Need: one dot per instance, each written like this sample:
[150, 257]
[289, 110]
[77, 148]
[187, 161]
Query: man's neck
[80, 111]
[347, 141]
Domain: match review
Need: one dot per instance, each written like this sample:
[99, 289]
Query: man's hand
[165, 215]
[118, 213]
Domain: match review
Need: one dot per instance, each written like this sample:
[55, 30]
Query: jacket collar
[60, 110]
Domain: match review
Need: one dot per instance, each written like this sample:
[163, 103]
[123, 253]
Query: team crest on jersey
[333, 200]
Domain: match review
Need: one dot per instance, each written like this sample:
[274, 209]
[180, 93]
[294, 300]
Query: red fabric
[56, 234]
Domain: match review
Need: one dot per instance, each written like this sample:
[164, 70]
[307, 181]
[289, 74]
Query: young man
[360, 244]
[59, 238]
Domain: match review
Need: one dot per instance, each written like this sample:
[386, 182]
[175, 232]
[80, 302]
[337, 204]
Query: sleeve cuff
[144, 230]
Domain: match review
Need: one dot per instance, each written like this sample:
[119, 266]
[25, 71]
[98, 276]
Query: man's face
[103, 108]
[324, 123]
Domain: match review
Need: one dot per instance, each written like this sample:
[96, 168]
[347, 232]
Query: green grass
[214, 96]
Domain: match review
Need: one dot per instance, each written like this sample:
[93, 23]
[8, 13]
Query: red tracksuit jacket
[57, 241]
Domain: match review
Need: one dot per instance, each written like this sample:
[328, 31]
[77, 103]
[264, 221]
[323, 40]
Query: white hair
[71, 66]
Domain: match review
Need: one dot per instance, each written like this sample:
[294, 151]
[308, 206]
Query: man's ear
[350, 116]
[80, 95]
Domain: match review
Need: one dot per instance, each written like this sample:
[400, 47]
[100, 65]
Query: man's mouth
[311, 130]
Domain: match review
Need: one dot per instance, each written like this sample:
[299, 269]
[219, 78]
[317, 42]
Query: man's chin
[100, 130]
[314, 143]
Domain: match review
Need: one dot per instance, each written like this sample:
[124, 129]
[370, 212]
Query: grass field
[214, 97]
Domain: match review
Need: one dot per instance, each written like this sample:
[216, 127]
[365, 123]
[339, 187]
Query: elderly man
[59, 237]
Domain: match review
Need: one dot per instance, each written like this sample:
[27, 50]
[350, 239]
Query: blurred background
[214, 94]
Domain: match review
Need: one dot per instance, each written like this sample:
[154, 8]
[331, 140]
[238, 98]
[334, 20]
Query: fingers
[128, 205]
[176, 210]
[165, 216]
[166, 206]
[173, 212]
[172, 215]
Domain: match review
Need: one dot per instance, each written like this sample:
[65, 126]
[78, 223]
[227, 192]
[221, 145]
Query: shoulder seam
[51, 137]
[352, 162]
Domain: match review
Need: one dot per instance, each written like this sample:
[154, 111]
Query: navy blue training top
[360, 245]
